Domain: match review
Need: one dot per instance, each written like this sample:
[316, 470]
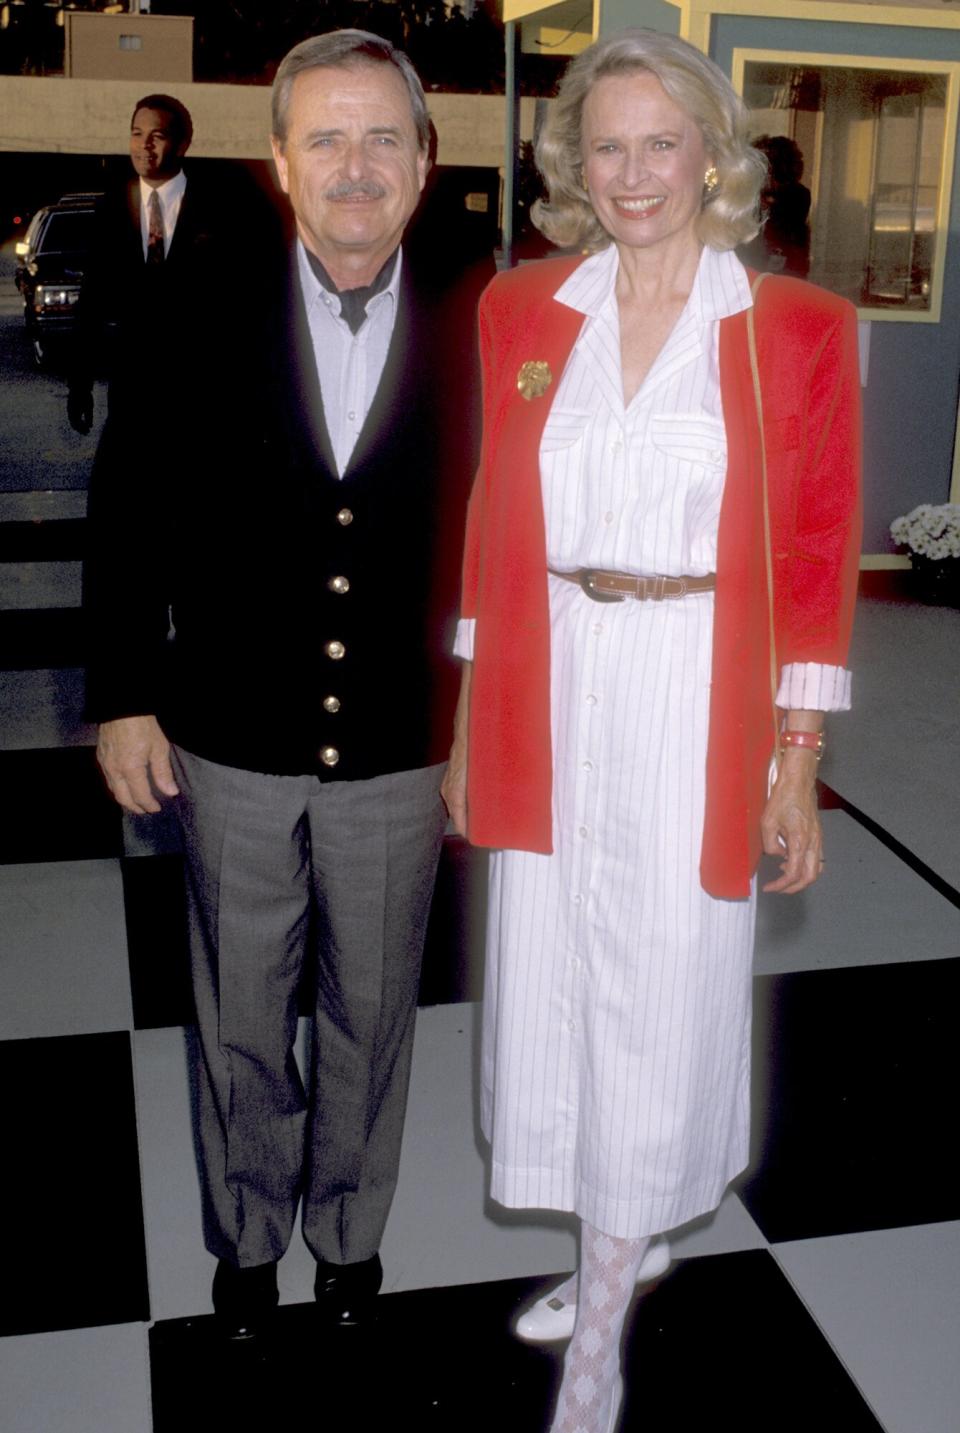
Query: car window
[67, 233]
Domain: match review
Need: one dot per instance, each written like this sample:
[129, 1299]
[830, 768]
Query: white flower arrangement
[930, 530]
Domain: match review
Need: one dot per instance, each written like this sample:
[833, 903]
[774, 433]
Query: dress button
[339, 584]
[584, 831]
[608, 517]
[344, 517]
[335, 650]
[329, 755]
[578, 900]
[351, 415]
[588, 766]
[572, 1026]
[591, 700]
[331, 704]
[597, 628]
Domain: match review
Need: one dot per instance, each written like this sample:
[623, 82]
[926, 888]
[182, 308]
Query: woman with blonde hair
[658, 591]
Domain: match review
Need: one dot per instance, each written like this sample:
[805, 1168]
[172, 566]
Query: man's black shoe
[346, 1292]
[244, 1299]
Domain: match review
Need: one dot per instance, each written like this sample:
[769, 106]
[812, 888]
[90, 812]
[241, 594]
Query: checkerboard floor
[824, 1294]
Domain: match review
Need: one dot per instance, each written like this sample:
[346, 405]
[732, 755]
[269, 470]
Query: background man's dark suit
[126, 305]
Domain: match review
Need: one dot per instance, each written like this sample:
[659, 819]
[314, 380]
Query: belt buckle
[586, 576]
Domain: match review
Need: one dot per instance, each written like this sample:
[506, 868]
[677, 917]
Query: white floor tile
[29, 586]
[896, 756]
[44, 506]
[43, 708]
[179, 1268]
[889, 1302]
[729, 1231]
[81, 1381]
[442, 1229]
[63, 949]
[867, 909]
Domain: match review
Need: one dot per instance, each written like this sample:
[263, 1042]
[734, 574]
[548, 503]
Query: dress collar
[720, 285]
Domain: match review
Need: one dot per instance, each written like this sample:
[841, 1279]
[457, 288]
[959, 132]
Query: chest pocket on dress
[690, 438]
[563, 428]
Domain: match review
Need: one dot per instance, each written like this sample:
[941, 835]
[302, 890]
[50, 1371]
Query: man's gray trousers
[275, 864]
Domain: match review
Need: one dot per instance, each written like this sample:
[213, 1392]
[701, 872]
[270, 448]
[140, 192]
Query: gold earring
[711, 179]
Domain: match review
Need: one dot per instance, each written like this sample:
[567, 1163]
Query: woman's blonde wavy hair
[730, 214]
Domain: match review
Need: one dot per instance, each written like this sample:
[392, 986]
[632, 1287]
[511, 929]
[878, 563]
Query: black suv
[51, 257]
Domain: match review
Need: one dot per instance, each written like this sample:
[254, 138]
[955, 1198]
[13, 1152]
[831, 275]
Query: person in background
[146, 238]
[616, 722]
[783, 243]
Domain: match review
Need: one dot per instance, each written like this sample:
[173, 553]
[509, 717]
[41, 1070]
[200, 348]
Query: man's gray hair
[342, 48]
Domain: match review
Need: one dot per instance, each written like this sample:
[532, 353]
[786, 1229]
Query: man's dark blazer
[217, 525]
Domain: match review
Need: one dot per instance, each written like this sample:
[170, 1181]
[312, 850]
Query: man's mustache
[362, 189]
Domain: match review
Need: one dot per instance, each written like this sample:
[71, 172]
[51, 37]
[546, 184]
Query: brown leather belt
[615, 586]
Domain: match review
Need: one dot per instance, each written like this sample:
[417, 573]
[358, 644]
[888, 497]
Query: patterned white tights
[591, 1369]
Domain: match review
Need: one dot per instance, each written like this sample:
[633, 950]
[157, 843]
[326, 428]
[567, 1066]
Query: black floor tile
[856, 1086]
[70, 1204]
[721, 1343]
[56, 807]
[453, 954]
[725, 1343]
[156, 919]
[32, 640]
[50, 540]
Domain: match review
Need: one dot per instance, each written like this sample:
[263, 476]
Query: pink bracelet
[812, 740]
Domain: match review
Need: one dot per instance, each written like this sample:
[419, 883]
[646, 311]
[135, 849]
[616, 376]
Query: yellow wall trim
[695, 15]
[883, 562]
[948, 68]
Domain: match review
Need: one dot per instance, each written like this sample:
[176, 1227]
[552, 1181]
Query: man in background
[154, 243]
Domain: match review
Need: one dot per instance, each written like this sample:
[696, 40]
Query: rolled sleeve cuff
[814, 687]
[463, 643]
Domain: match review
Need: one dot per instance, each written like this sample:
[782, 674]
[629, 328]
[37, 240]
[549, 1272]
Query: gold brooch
[534, 378]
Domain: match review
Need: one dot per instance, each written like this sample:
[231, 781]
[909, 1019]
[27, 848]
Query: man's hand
[80, 409]
[134, 756]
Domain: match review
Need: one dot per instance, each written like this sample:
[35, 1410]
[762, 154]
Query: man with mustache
[271, 602]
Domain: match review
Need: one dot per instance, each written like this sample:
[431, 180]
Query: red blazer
[807, 346]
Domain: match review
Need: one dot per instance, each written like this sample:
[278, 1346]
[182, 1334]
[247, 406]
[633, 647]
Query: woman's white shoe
[551, 1318]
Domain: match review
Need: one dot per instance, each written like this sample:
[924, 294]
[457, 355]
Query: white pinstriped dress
[616, 1048]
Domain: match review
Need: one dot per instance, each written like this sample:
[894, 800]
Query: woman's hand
[791, 823]
[453, 788]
